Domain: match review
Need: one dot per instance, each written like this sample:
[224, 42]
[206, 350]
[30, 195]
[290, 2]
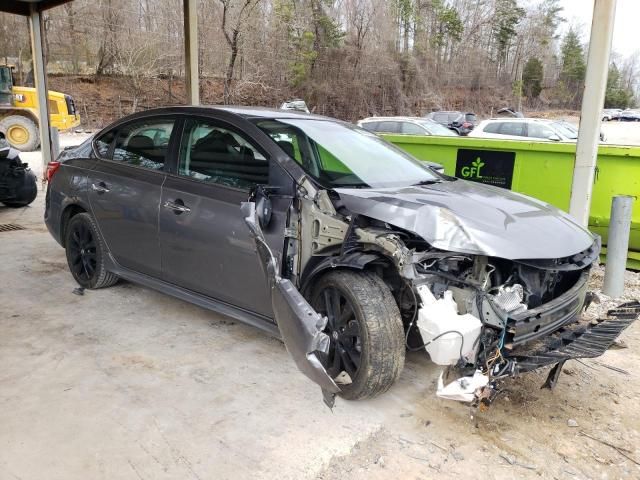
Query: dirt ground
[587, 427]
[127, 383]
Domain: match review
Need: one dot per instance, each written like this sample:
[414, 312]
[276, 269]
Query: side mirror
[455, 124]
[554, 138]
[264, 208]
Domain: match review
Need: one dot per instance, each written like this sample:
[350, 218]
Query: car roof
[459, 112]
[526, 119]
[242, 111]
[401, 119]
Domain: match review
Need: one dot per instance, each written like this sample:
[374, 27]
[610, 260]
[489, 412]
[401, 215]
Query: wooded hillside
[346, 58]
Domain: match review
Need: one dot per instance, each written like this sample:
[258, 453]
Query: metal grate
[10, 227]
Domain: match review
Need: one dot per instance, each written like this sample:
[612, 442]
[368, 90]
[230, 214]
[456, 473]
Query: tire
[26, 193]
[86, 253]
[21, 132]
[378, 329]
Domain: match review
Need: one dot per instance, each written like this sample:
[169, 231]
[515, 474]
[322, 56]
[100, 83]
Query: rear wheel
[21, 132]
[85, 253]
[366, 353]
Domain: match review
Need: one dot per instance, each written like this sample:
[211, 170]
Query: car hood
[466, 217]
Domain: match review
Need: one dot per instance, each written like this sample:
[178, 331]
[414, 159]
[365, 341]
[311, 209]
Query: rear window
[471, 117]
[371, 126]
[493, 127]
[388, 127]
[144, 143]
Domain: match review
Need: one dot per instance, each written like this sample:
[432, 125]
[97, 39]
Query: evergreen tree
[532, 77]
[617, 96]
[573, 68]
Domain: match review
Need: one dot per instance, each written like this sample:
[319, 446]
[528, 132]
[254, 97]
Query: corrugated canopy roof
[23, 7]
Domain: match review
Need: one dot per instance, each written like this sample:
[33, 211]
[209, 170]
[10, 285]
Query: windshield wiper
[427, 182]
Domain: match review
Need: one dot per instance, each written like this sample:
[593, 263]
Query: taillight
[52, 168]
[466, 124]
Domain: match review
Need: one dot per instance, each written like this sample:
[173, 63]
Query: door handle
[99, 188]
[178, 207]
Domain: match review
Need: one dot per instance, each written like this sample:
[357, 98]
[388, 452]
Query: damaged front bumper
[578, 340]
[539, 322]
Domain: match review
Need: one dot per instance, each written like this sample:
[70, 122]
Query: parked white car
[536, 129]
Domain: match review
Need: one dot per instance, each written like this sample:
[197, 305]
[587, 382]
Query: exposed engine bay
[480, 316]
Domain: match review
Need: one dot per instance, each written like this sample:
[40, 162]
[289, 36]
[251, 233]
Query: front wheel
[21, 132]
[86, 252]
[367, 350]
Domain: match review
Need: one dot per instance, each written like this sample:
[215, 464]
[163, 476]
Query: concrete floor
[127, 383]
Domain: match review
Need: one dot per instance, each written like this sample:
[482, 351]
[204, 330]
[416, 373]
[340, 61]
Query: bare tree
[234, 17]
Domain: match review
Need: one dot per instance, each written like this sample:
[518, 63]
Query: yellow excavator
[19, 112]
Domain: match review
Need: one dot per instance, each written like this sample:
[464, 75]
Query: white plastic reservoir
[436, 317]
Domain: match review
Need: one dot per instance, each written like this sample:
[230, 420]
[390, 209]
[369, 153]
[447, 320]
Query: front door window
[214, 154]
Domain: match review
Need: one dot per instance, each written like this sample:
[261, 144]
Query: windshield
[435, 128]
[341, 155]
[566, 129]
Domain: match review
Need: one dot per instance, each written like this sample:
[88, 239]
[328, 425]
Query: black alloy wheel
[365, 331]
[344, 329]
[82, 253]
[86, 253]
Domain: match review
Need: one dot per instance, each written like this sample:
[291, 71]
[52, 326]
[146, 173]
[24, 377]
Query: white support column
[191, 67]
[40, 79]
[604, 12]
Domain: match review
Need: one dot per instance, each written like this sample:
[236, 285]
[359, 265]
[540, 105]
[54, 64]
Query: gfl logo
[474, 170]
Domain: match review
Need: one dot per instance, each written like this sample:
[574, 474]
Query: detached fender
[301, 327]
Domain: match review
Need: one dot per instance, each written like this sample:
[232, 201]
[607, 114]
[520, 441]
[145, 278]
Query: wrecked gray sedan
[326, 236]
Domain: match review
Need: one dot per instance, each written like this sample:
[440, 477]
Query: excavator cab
[6, 85]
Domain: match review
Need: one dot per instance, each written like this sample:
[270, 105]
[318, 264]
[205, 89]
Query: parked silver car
[533, 129]
[405, 126]
[325, 235]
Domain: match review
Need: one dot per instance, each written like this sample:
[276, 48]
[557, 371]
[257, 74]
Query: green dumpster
[543, 170]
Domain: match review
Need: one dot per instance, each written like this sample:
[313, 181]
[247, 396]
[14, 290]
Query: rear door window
[144, 143]
[513, 128]
[389, 127]
[409, 128]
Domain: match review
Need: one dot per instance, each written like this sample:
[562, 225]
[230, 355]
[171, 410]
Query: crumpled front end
[496, 281]
[483, 313]
[528, 315]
